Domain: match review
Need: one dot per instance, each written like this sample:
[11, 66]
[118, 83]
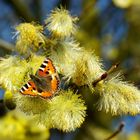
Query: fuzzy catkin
[118, 97]
[60, 23]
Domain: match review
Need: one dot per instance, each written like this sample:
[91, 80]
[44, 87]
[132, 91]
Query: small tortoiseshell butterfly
[44, 83]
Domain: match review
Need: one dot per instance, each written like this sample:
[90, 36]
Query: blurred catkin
[16, 126]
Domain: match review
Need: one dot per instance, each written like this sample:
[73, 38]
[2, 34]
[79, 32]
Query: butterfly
[45, 83]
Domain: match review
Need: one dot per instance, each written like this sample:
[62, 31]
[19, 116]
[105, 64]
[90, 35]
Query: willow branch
[88, 8]
[65, 3]
[104, 75]
[5, 45]
[22, 10]
[37, 9]
[120, 128]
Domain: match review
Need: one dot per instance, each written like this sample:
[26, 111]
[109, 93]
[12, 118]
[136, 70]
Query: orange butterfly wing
[29, 89]
[46, 69]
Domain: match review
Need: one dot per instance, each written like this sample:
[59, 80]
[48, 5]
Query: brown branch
[37, 9]
[120, 128]
[64, 3]
[6, 46]
[104, 75]
[22, 10]
[113, 68]
[88, 11]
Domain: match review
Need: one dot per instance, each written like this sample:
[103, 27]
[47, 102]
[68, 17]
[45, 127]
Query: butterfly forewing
[29, 89]
[46, 68]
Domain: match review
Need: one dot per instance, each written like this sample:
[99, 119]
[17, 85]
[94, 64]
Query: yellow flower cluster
[29, 36]
[11, 68]
[65, 111]
[15, 72]
[118, 97]
[16, 126]
[60, 23]
[76, 64]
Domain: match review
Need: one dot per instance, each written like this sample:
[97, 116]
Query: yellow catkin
[123, 3]
[60, 23]
[118, 98]
[22, 126]
[67, 111]
[29, 36]
[77, 64]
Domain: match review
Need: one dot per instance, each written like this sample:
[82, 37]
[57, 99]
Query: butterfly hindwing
[54, 83]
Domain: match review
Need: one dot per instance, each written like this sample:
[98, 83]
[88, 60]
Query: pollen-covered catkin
[31, 105]
[118, 97]
[11, 68]
[76, 63]
[29, 37]
[60, 23]
[67, 111]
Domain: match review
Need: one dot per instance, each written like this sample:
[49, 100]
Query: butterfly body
[44, 83]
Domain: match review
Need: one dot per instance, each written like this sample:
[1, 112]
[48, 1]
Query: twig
[87, 7]
[113, 68]
[104, 75]
[120, 128]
